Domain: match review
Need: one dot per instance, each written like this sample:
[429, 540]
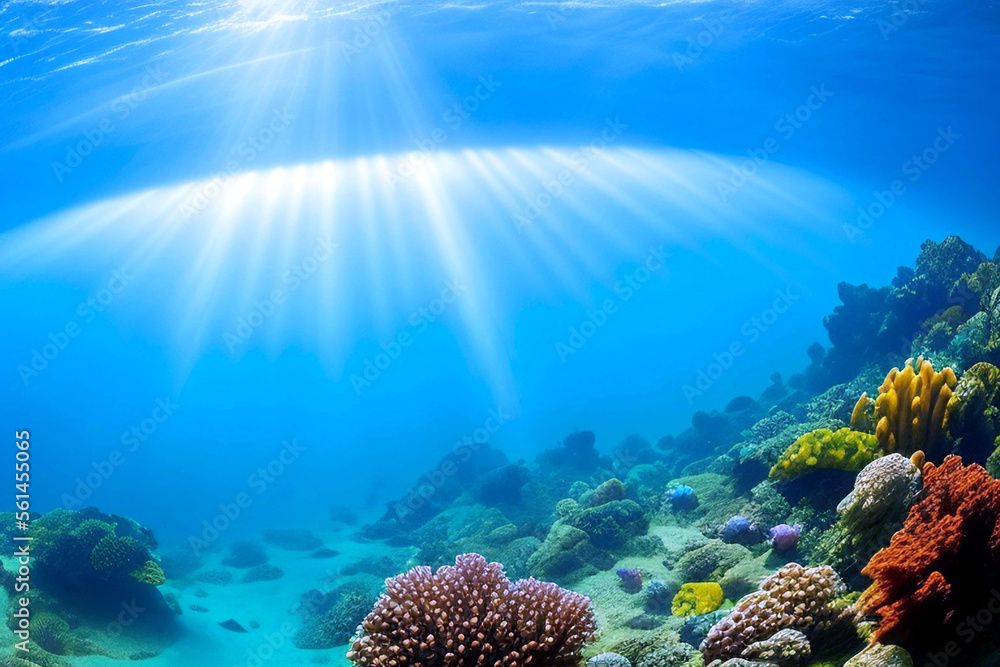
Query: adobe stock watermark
[22, 34]
[554, 188]
[624, 289]
[258, 482]
[786, 127]
[560, 14]
[86, 312]
[900, 15]
[462, 450]
[967, 631]
[453, 118]
[264, 309]
[131, 440]
[419, 321]
[751, 332]
[366, 34]
[94, 137]
[702, 40]
[912, 170]
[247, 150]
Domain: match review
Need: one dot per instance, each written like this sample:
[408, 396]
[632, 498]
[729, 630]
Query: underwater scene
[596, 333]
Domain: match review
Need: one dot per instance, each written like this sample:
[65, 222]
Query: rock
[232, 626]
[293, 539]
[608, 660]
[744, 577]
[566, 556]
[710, 562]
[881, 655]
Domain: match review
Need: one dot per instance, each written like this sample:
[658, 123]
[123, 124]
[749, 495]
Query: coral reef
[613, 489]
[608, 660]
[682, 498]
[744, 578]
[739, 530]
[331, 619]
[944, 563]
[292, 539]
[471, 613]
[631, 579]
[785, 647]
[974, 412]
[794, 598]
[502, 486]
[843, 449]
[709, 562]
[567, 555]
[695, 599]
[605, 525]
[85, 564]
[785, 538]
[611, 525]
[659, 597]
[871, 514]
[911, 410]
[245, 554]
[881, 655]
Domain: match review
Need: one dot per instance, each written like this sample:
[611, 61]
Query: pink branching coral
[470, 614]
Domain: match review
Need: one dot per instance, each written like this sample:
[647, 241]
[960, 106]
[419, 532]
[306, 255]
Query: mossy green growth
[695, 599]
[611, 525]
[842, 450]
[115, 556]
[710, 561]
[150, 573]
[336, 625]
[993, 462]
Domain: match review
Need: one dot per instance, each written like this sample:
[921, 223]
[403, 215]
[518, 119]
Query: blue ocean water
[350, 237]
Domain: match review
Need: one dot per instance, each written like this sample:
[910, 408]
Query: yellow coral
[843, 450]
[696, 599]
[912, 407]
[150, 573]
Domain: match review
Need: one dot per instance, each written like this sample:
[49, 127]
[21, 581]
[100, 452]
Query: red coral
[471, 614]
[945, 562]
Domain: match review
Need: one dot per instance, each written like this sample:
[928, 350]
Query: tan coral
[911, 410]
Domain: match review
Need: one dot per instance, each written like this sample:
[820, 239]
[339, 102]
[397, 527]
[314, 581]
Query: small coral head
[785, 538]
[682, 497]
[631, 579]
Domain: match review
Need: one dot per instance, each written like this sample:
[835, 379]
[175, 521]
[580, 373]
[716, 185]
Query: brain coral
[794, 598]
[471, 614]
[911, 410]
[945, 562]
[872, 513]
[844, 450]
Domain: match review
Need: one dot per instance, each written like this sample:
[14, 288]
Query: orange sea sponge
[943, 565]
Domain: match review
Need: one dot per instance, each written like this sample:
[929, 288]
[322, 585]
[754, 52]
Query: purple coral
[739, 530]
[631, 579]
[785, 538]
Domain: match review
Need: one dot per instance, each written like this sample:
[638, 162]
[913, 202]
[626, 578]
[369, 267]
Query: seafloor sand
[204, 643]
